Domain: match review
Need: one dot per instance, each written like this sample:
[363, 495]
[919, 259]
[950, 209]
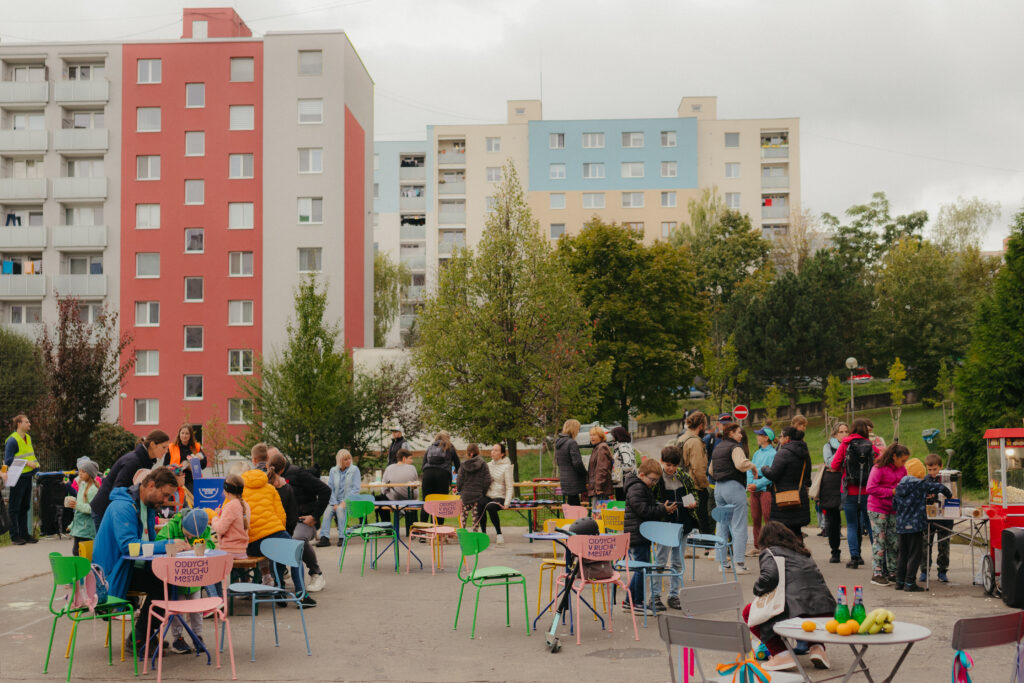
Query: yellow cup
[134, 549]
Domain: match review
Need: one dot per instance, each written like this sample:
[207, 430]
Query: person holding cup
[83, 528]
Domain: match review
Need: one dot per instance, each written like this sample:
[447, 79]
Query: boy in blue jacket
[908, 504]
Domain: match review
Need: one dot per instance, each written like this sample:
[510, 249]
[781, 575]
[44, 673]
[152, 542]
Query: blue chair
[280, 551]
[664, 534]
[723, 515]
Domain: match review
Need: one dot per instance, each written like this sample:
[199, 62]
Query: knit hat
[915, 468]
[194, 522]
[88, 467]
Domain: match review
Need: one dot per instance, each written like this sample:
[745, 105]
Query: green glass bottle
[859, 613]
[842, 610]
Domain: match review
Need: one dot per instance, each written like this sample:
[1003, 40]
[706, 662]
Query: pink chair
[435, 534]
[574, 511]
[611, 548]
[192, 572]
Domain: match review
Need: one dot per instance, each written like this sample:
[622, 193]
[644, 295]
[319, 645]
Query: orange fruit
[845, 629]
[831, 626]
[808, 626]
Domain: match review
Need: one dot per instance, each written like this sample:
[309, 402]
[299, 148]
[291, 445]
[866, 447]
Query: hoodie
[840, 457]
[908, 503]
[122, 525]
[473, 480]
[881, 487]
[120, 475]
[265, 509]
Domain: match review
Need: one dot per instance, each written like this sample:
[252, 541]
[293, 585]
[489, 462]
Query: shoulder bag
[788, 499]
[772, 603]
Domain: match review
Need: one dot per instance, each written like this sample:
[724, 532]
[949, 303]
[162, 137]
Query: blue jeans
[857, 522]
[669, 557]
[325, 521]
[640, 553]
[732, 493]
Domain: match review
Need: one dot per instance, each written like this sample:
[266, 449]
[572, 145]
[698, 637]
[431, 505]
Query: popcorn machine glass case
[1005, 448]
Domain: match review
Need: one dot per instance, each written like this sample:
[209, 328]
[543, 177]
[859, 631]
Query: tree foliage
[864, 240]
[108, 442]
[961, 225]
[722, 372]
[389, 279]
[836, 397]
[22, 379]
[772, 400]
[387, 396]
[646, 315]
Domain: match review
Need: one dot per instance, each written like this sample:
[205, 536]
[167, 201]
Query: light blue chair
[280, 551]
[723, 515]
[665, 534]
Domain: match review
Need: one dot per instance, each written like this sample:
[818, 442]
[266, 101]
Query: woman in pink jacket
[885, 475]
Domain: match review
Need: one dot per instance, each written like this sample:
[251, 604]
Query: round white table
[903, 634]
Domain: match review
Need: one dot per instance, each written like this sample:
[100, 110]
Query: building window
[593, 170]
[494, 174]
[76, 168]
[25, 314]
[593, 200]
[147, 167]
[81, 120]
[490, 204]
[556, 140]
[732, 200]
[732, 170]
[633, 140]
[200, 29]
[238, 409]
[240, 215]
[86, 72]
[195, 191]
[89, 265]
[732, 139]
[195, 143]
[147, 411]
[149, 71]
[241, 117]
[195, 95]
[147, 313]
[593, 140]
[147, 216]
[668, 200]
[239, 361]
[311, 111]
[311, 210]
[193, 337]
[668, 138]
[667, 227]
[28, 121]
[240, 263]
[632, 169]
[73, 215]
[147, 119]
[147, 265]
[240, 166]
[376, 190]
[493, 144]
[311, 160]
[632, 200]
[147, 362]
[311, 62]
[89, 313]
[636, 226]
[556, 171]
[194, 288]
[194, 241]
[193, 387]
[240, 313]
[309, 259]
[669, 169]
[557, 230]
[557, 200]
[242, 70]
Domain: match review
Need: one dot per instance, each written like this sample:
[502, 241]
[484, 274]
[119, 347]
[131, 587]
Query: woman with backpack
[830, 494]
[855, 458]
[438, 467]
[623, 460]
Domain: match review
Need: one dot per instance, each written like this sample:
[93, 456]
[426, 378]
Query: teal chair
[68, 571]
[472, 544]
[360, 511]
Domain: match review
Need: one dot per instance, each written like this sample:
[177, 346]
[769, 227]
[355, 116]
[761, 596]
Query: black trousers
[492, 510]
[705, 503]
[144, 581]
[620, 493]
[573, 499]
[909, 557]
[384, 515]
[21, 500]
[832, 527]
[435, 480]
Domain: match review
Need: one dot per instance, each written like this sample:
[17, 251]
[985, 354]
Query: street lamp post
[851, 364]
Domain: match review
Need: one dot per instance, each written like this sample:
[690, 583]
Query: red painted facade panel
[355, 231]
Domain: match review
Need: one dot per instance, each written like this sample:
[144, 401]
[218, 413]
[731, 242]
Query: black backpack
[860, 458]
[435, 455]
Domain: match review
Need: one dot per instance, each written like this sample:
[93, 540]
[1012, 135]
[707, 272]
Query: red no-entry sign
[740, 412]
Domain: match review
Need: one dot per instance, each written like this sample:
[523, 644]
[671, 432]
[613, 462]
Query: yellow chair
[422, 530]
[614, 520]
[554, 562]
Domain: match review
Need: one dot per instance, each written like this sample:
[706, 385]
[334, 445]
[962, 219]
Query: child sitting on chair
[232, 524]
[187, 526]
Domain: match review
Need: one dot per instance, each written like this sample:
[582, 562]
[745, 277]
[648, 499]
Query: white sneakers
[780, 662]
[819, 658]
[317, 582]
[500, 540]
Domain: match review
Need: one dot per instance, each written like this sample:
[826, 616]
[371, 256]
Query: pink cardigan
[232, 537]
[881, 484]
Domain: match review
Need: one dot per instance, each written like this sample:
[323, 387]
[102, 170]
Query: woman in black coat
[571, 470]
[791, 470]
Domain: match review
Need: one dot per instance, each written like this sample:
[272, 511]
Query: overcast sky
[920, 99]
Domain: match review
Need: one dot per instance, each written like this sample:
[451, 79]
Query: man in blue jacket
[131, 518]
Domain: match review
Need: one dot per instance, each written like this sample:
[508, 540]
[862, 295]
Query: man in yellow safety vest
[19, 446]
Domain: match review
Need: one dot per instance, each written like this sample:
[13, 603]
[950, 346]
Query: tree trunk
[513, 456]
[624, 410]
[312, 463]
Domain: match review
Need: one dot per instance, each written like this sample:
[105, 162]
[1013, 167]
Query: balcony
[406, 321]
[35, 92]
[412, 203]
[447, 156]
[450, 187]
[414, 292]
[22, 286]
[21, 189]
[452, 216]
[412, 173]
[74, 237]
[450, 242]
[80, 285]
[97, 91]
[81, 140]
[775, 152]
[23, 141]
[413, 232]
[30, 330]
[80, 188]
[768, 182]
[16, 237]
[771, 212]
[414, 262]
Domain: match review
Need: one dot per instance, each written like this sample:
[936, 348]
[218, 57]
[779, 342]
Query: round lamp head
[851, 363]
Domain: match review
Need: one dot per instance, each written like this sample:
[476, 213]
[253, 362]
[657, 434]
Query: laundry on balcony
[13, 219]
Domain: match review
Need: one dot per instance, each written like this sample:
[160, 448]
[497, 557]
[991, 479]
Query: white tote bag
[771, 604]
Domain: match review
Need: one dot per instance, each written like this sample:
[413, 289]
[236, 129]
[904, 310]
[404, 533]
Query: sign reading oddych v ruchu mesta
[190, 571]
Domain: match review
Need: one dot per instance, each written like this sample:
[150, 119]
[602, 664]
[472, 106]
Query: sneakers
[943, 578]
[913, 588]
[340, 542]
[180, 647]
[18, 541]
[898, 586]
[880, 580]
[753, 552]
[819, 658]
[307, 602]
[268, 580]
[317, 582]
[637, 609]
[780, 662]
[656, 605]
[500, 540]
[742, 569]
[923, 577]
[854, 562]
[323, 542]
[673, 602]
[31, 539]
[835, 558]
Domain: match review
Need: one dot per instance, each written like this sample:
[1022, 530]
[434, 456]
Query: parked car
[860, 376]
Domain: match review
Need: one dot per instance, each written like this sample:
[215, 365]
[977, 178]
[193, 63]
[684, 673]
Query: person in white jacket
[499, 494]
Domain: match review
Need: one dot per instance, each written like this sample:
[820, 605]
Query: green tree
[646, 315]
[22, 382]
[772, 400]
[387, 396]
[988, 387]
[108, 442]
[389, 280]
[864, 240]
[897, 383]
[84, 366]
[962, 224]
[722, 373]
[504, 340]
[836, 401]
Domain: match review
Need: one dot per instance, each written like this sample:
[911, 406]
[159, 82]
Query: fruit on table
[831, 626]
[808, 626]
[879, 620]
[846, 629]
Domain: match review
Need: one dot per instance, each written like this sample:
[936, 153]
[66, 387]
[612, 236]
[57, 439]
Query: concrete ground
[388, 627]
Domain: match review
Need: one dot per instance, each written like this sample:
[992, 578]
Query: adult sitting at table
[807, 595]
[572, 473]
[146, 453]
[401, 472]
[267, 517]
[311, 497]
[344, 481]
[131, 518]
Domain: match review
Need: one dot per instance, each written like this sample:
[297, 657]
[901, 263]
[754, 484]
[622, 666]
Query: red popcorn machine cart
[1003, 566]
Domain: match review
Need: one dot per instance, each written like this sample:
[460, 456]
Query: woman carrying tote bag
[790, 474]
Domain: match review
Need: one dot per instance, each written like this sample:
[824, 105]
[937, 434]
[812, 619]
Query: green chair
[68, 571]
[472, 543]
[360, 510]
[616, 505]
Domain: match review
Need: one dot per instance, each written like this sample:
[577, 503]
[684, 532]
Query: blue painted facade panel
[386, 174]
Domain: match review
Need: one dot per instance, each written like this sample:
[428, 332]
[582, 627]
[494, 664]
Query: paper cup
[134, 549]
[69, 501]
[199, 549]
[147, 549]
